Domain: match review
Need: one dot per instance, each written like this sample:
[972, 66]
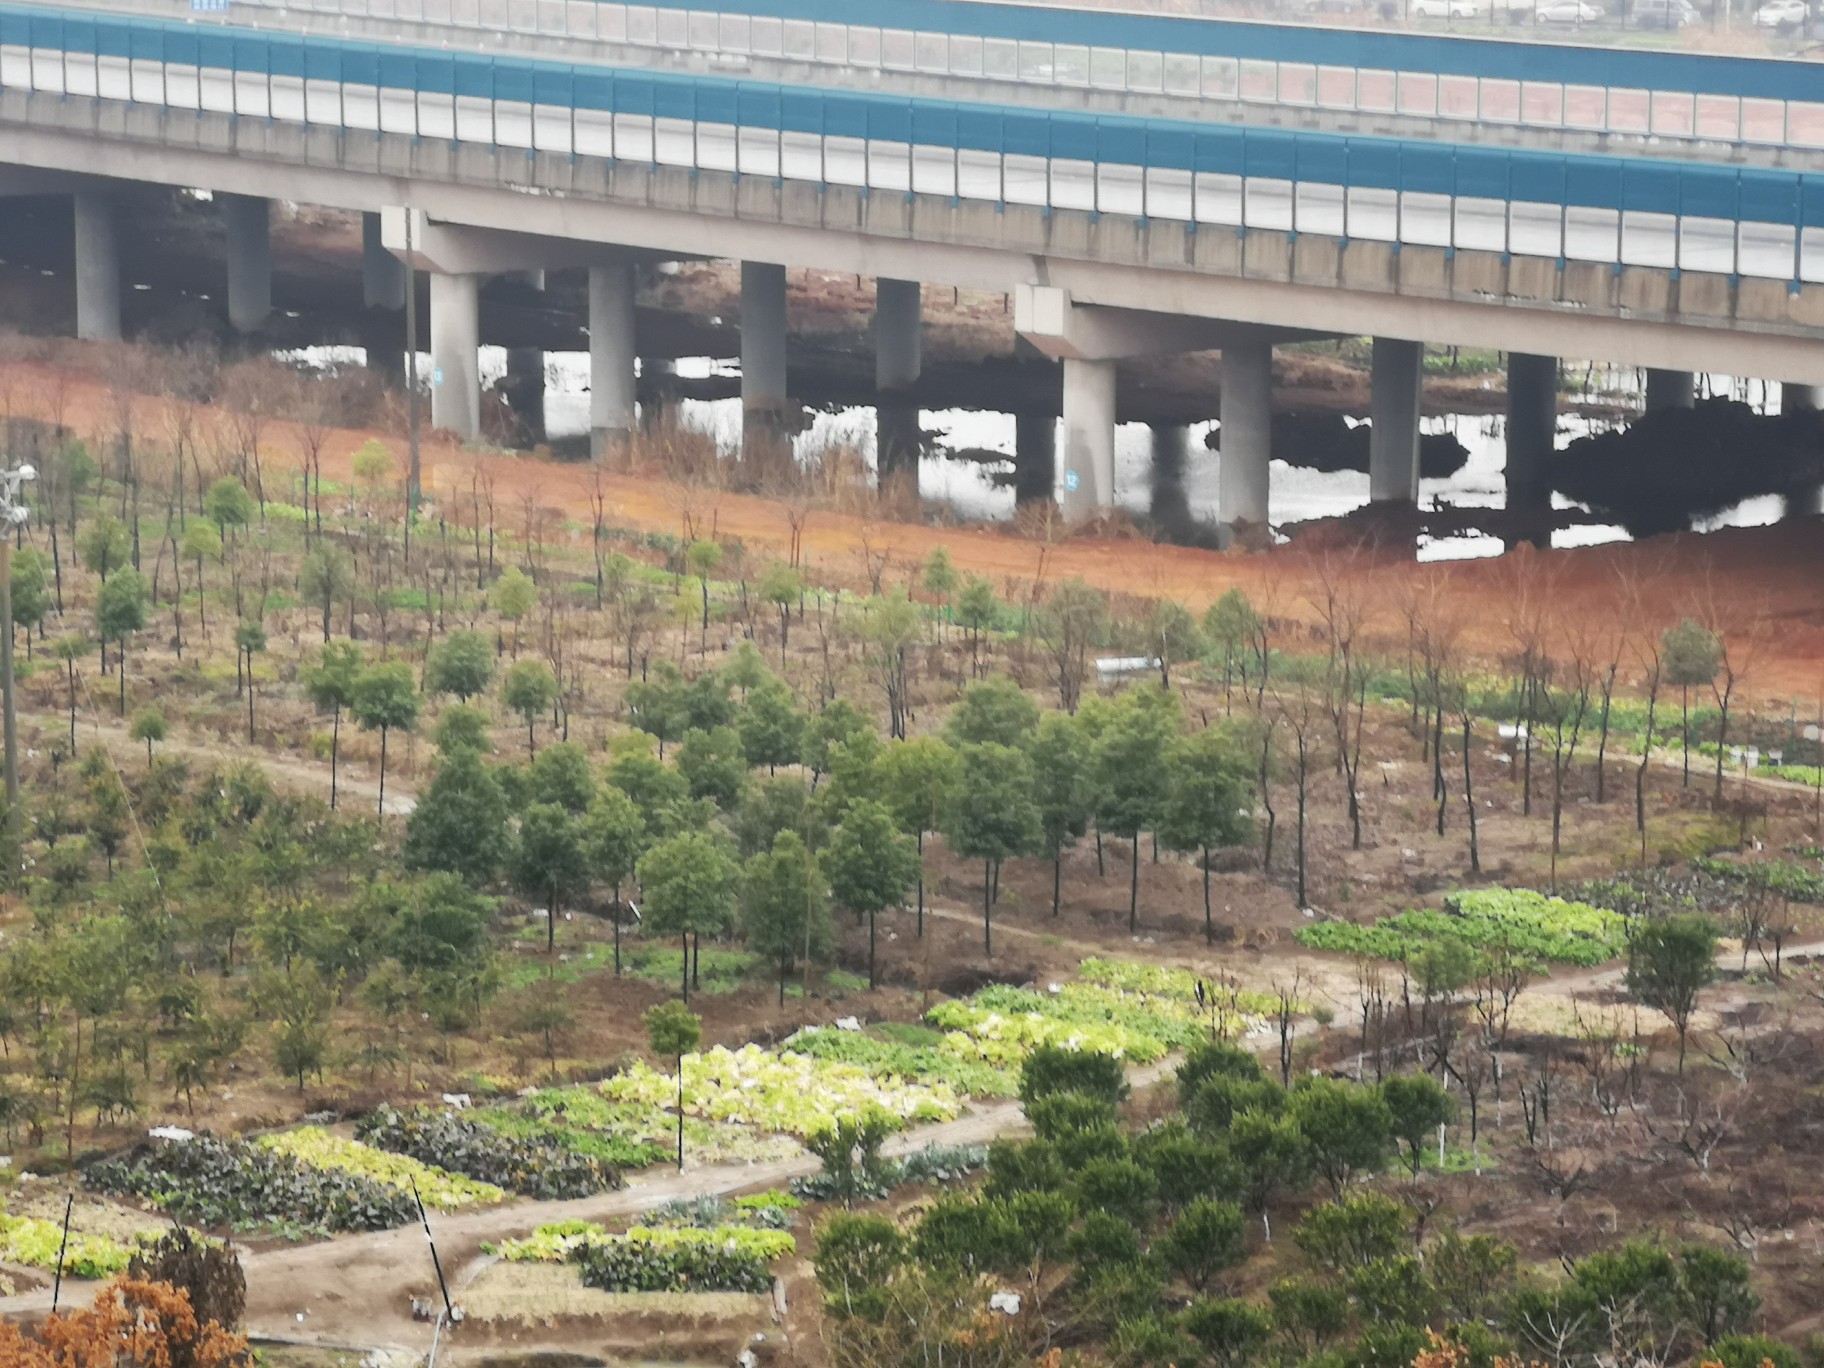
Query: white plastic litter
[847, 1023]
[457, 1101]
[177, 1133]
[1005, 1302]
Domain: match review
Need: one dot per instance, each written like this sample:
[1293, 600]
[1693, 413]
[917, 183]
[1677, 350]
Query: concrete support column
[455, 368]
[1532, 426]
[525, 391]
[97, 268]
[611, 358]
[763, 385]
[1670, 389]
[1795, 398]
[1396, 377]
[382, 273]
[1247, 421]
[898, 335]
[1035, 457]
[1089, 437]
[1801, 398]
[1171, 450]
[248, 219]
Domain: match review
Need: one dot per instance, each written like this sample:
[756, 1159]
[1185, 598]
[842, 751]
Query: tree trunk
[684, 974]
[1209, 931]
[335, 743]
[987, 908]
[1057, 877]
[921, 884]
[380, 802]
[872, 980]
[1133, 887]
[1469, 801]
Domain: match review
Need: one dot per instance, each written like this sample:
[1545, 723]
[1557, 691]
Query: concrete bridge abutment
[455, 364]
[97, 267]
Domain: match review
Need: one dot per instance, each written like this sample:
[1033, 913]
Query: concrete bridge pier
[97, 268]
[898, 340]
[1669, 389]
[524, 387]
[382, 273]
[455, 339]
[1796, 398]
[765, 444]
[248, 220]
[1035, 458]
[1247, 419]
[1171, 450]
[1532, 426]
[1089, 437]
[611, 359]
[1396, 377]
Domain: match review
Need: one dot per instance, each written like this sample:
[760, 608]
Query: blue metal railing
[1146, 167]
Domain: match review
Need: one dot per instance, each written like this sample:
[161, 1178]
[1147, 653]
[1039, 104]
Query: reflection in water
[980, 491]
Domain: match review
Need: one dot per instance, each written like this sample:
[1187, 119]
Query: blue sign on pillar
[1070, 481]
[437, 376]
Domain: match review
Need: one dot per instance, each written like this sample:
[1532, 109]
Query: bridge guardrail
[1746, 101]
[1629, 211]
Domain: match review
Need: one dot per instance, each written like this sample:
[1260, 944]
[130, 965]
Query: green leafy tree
[1232, 1333]
[714, 764]
[1207, 789]
[894, 627]
[529, 688]
[916, 780]
[772, 728]
[560, 774]
[691, 882]
[673, 1031]
[201, 543]
[1232, 626]
[1364, 1228]
[1670, 961]
[770, 806]
[31, 591]
[1132, 780]
[1418, 1105]
[614, 835]
[122, 609]
[1205, 1239]
[871, 865]
[461, 664]
[1272, 1154]
[745, 670]
[1692, 655]
[1061, 790]
[1348, 1128]
[939, 575]
[249, 641]
[326, 577]
[781, 586]
[384, 700]
[1172, 634]
[785, 907]
[513, 596]
[837, 723]
[105, 545]
[439, 924]
[656, 789]
[228, 505]
[1053, 1071]
[703, 558]
[549, 861]
[993, 710]
[148, 726]
[461, 822]
[330, 685]
[992, 816]
[1718, 1298]
[462, 728]
[658, 706]
[1073, 620]
[977, 609]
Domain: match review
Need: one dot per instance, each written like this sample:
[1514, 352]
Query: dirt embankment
[1763, 584]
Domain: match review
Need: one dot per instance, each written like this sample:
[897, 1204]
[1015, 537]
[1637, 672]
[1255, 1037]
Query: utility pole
[13, 515]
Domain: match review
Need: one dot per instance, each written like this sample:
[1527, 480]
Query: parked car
[1568, 12]
[1668, 15]
[1444, 9]
[1778, 13]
